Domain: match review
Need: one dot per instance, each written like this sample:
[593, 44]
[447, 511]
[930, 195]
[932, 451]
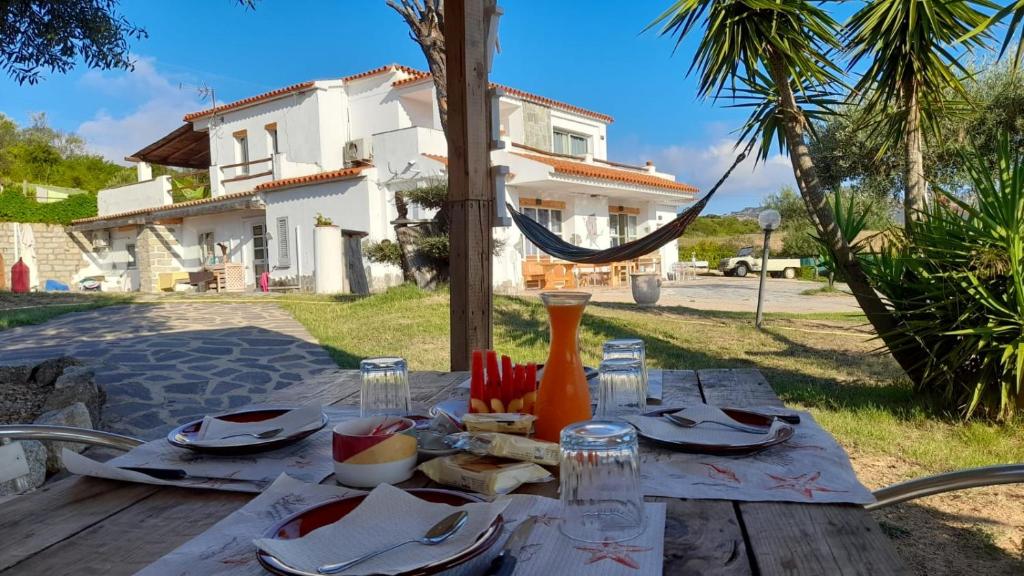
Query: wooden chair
[533, 273]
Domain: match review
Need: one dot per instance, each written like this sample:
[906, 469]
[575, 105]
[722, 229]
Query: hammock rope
[553, 245]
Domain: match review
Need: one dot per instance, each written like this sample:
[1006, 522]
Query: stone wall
[157, 250]
[58, 252]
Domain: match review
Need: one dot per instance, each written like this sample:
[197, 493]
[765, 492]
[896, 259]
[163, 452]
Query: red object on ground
[19, 277]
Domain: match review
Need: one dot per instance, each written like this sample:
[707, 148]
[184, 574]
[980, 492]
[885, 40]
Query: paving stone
[203, 368]
[224, 372]
[191, 388]
[128, 358]
[224, 387]
[289, 377]
[258, 352]
[288, 358]
[238, 400]
[256, 342]
[252, 377]
[212, 350]
[135, 390]
[148, 424]
[282, 385]
[171, 355]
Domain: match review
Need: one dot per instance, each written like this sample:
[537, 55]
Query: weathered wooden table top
[91, 526]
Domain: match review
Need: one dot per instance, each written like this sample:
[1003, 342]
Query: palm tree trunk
[824, 220]
[917, 189]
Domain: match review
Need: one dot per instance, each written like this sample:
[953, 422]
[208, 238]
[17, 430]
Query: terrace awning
[184, 147]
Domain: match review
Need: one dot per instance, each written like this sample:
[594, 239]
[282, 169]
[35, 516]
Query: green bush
[709, 250]
[957, 285]
[808, 273]
[16, 207]
[385, 252]
[715, 225]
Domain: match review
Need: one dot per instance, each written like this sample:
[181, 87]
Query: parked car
[745, 261]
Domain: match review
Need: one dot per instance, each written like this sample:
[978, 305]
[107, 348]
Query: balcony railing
[247, 170]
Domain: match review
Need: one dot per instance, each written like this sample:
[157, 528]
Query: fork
[259, 435]
[685, 422]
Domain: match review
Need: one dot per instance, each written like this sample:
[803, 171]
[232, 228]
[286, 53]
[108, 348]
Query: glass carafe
[564, 397]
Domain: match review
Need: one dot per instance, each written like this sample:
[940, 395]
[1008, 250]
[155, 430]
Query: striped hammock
[553, 245]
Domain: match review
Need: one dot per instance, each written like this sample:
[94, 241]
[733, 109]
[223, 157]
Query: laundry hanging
[553, 244]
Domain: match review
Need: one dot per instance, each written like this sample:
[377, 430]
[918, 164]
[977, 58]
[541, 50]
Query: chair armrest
[68, 434]
[948, 482]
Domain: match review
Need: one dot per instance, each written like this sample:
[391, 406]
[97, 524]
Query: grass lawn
[37, 307]
[822, 363]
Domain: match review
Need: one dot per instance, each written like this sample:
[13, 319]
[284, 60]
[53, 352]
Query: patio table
[84, 525]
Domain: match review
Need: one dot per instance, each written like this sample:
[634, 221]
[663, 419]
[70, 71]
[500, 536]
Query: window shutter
[284, 249]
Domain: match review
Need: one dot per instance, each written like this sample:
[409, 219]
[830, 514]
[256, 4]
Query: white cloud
[702, 167]
[156, 103]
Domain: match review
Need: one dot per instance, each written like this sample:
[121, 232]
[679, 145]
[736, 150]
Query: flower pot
[646, 288]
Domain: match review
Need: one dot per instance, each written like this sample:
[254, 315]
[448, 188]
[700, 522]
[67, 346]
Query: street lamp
[768, 220]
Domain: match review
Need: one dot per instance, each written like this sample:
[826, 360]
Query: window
[284, 253]
[622, 227]
[272, 139]
[568, 143]
[550, 218]
[242, 151]
[130, 249]
[207, 255]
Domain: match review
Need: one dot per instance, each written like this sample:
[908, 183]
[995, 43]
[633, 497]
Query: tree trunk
[415, 268]
[823, 217]
[917, 189]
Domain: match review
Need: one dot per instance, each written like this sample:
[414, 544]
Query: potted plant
[322, 221]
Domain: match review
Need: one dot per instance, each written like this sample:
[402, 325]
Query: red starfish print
[721, 473]
[614, 552]
[804, 484]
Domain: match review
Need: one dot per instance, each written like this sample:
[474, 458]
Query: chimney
[650, 167]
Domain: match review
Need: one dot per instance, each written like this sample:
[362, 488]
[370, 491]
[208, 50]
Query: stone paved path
[163, 364]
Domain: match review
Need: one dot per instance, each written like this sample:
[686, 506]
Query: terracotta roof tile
[437, 158]
[250, 100]
[313, 178]
[523, 95]
[575, 168]
[382, 70]
[155, 209]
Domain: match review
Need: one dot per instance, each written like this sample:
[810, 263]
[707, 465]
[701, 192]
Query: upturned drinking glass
[620, 390]
[385, 387]
[600, 482]
[628, 348]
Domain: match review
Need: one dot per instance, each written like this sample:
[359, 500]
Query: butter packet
[483, 474]
[509, 423]
[506, 446]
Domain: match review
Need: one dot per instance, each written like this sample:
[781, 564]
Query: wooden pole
[470, 186]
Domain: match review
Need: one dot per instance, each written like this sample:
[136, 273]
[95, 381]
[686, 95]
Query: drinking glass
[385, 387]
[628, 348]
[600, 482]
[621, 388]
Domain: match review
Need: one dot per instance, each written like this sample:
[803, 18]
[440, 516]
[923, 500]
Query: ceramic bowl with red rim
[374, 450]
[308, 520]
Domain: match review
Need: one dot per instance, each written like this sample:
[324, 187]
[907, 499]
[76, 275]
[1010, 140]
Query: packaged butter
[506, 446]
[483, 474]
[509, 423]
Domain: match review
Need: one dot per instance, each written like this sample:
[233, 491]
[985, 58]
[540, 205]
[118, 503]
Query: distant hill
[748, 213]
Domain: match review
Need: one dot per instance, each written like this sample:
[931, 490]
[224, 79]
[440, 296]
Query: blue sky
[591, 54]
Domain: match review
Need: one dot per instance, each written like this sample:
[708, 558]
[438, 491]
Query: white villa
[341, 148]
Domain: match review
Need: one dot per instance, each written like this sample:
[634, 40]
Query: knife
[177, 474]
[504, 564]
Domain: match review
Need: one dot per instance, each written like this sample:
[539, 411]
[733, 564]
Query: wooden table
[92, 526]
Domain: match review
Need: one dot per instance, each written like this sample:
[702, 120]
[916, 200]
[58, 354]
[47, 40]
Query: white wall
[346, 202]
[583, 126]
[155, 192]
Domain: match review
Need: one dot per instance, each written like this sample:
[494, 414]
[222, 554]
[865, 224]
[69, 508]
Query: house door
[256, 250]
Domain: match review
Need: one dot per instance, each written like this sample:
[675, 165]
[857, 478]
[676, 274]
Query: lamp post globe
[769, 220]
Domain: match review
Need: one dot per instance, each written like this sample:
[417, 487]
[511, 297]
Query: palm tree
[911, 69]
[775, 54]
[1016, 9]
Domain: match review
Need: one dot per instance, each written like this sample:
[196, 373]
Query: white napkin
[388, 516]
[704, 433]
[213, 430]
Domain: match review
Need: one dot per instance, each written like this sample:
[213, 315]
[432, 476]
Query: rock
[21, 398]
[75, 415]
[46, 372]
[78, 384]
[35, 455]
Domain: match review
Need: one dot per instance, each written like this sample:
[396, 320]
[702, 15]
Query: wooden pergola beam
[470, 186]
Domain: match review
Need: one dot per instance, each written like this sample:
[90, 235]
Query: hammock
[552, 244]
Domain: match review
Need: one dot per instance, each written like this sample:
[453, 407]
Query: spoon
[261, 435]
[438, 533]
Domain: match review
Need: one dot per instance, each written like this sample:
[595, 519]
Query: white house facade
[341, 149]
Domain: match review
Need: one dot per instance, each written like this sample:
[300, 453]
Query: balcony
[242, 176]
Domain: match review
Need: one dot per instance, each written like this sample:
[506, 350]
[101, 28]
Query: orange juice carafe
[564, 397]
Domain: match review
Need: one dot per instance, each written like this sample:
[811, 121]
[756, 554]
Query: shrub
[957, 284]
[385, 252]
[709, 250]
[16, 207]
